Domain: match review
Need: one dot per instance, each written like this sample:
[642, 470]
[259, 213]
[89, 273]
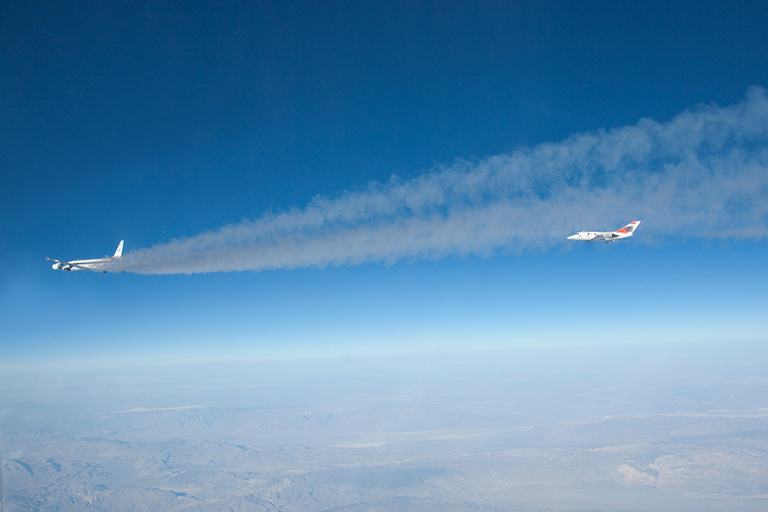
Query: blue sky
[148, 123]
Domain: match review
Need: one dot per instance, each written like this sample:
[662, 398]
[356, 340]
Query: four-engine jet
[97, 265]
[606, 236]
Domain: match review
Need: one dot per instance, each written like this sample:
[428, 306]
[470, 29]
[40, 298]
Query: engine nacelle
[66, 268]
[57, 266]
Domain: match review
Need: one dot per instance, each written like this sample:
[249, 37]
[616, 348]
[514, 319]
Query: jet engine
[56, 266]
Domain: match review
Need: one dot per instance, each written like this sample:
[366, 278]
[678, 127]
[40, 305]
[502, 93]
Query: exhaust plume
[702, 174]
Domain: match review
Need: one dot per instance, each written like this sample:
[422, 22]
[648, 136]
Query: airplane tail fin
[119, 251]
[629, 228]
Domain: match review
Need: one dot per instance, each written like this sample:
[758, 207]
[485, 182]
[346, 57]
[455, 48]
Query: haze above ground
[595, 427]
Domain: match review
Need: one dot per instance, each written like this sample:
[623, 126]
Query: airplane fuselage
[606, 236]
[74, 265]
[598, 236]
[96, 265]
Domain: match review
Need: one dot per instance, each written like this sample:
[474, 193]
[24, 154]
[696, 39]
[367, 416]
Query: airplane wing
[62, 262]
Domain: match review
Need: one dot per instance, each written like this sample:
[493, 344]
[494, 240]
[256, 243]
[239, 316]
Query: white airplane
[607, 236]
[97, 265]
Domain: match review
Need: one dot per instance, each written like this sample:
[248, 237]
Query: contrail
[702, 174]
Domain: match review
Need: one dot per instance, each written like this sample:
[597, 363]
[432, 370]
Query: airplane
[607, 236]
[96, 265]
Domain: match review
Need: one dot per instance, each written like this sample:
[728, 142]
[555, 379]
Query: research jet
[607, 236]
[96, 265]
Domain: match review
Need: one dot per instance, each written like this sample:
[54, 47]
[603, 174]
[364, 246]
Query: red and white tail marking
[629, 228]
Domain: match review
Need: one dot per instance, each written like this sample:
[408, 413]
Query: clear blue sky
[150, 122]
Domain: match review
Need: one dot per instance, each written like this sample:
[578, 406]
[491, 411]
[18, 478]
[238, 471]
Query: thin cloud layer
[702, 174]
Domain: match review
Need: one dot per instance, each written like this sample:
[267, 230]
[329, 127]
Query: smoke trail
[702, 174]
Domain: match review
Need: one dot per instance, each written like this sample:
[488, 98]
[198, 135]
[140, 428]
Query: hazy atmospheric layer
[611, 427]
[702, 174]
